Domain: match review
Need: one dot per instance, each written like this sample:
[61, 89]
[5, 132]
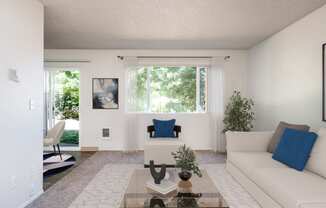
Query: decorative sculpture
[158, 176]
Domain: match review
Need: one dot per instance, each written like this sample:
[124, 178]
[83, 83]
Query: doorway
[62, 104]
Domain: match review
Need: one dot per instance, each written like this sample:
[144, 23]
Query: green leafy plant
[186, 160]
[67, 100]
[238, 114]
[70, 137]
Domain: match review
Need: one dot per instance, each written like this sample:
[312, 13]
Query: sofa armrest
[247, 141]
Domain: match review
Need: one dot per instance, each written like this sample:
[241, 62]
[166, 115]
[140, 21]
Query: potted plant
[238, 114]
[185, 159]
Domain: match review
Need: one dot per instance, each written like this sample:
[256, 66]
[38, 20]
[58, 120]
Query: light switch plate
[31, 104]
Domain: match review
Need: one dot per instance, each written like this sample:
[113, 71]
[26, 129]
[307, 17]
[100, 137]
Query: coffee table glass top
[200, 193]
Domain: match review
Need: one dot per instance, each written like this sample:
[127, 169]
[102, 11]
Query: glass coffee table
[200, 193]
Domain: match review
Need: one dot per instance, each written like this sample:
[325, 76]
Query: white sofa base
[261, 197]
[270, 182]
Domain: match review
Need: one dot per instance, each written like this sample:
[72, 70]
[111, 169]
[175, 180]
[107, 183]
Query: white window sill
[178, 113]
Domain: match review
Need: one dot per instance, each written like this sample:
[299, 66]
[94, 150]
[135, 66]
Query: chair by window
[159, 149]
[151, 130]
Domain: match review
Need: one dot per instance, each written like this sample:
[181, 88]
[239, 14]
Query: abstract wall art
[105, 93]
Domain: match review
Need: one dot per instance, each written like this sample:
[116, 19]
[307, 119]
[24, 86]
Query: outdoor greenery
[66, 90]
[238, 114]
[186, 160]
[70, 137]
[67, 98]
[171, 89]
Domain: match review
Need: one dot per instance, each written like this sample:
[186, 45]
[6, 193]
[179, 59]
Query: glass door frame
[49, 102]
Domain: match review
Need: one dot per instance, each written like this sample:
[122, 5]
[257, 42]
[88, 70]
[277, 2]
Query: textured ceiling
[168, 24]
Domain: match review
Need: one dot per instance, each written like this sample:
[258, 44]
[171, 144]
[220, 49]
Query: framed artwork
[105, 93]
[324, 81]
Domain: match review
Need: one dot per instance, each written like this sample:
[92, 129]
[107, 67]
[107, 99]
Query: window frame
[148, 90]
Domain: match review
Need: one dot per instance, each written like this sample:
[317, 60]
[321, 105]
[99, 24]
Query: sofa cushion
[317, 160]
[279, 132]
[294, 148]
[248, 161]
[291, 188]
[164, 128]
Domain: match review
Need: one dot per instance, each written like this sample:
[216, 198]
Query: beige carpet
[107, 187]
[101, 180]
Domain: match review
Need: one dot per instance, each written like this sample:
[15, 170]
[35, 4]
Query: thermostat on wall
[12, 75]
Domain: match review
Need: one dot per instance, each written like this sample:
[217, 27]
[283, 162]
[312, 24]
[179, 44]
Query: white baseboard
[62, 148]
[30, 200]
[142, 149]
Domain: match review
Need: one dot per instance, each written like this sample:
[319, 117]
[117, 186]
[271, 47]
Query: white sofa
[272, 183]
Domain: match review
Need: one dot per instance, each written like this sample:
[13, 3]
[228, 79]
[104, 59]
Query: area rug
[53, 163]
[107, 187]
[231, 190]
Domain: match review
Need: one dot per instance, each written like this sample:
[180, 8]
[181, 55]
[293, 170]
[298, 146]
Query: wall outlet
[13, 181]
[32, 190]
[106, 133]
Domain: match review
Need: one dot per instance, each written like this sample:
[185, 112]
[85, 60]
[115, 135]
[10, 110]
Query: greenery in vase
[186, 160]
[187, 202]
[238, 114]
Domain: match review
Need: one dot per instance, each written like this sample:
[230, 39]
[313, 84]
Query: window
[161, 89]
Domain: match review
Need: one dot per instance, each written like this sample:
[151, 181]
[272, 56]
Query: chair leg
[54, 149]
[59, 151]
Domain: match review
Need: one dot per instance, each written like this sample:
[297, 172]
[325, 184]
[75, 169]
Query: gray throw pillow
[279, 132]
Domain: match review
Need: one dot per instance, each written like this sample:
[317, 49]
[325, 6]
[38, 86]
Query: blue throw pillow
[164, 128]
[294, 148]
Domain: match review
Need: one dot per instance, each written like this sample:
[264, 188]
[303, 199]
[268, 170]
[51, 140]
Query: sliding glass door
[62, 103]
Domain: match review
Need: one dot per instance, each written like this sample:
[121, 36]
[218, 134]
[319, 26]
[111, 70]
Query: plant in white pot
[238, 114]
[185, 159]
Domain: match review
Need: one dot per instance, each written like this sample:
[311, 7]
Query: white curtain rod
[66, 61]
[182, 57]
[191, 57]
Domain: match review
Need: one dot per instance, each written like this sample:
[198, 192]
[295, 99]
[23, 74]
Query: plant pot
[185, 175]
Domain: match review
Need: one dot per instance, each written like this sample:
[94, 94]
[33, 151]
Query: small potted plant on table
[185, 159]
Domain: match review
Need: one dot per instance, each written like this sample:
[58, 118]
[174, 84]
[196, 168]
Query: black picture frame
[109, 94]
[324, 82]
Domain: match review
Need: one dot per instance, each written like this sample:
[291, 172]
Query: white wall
[285, 74]
[104, 63]
[21, 48]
